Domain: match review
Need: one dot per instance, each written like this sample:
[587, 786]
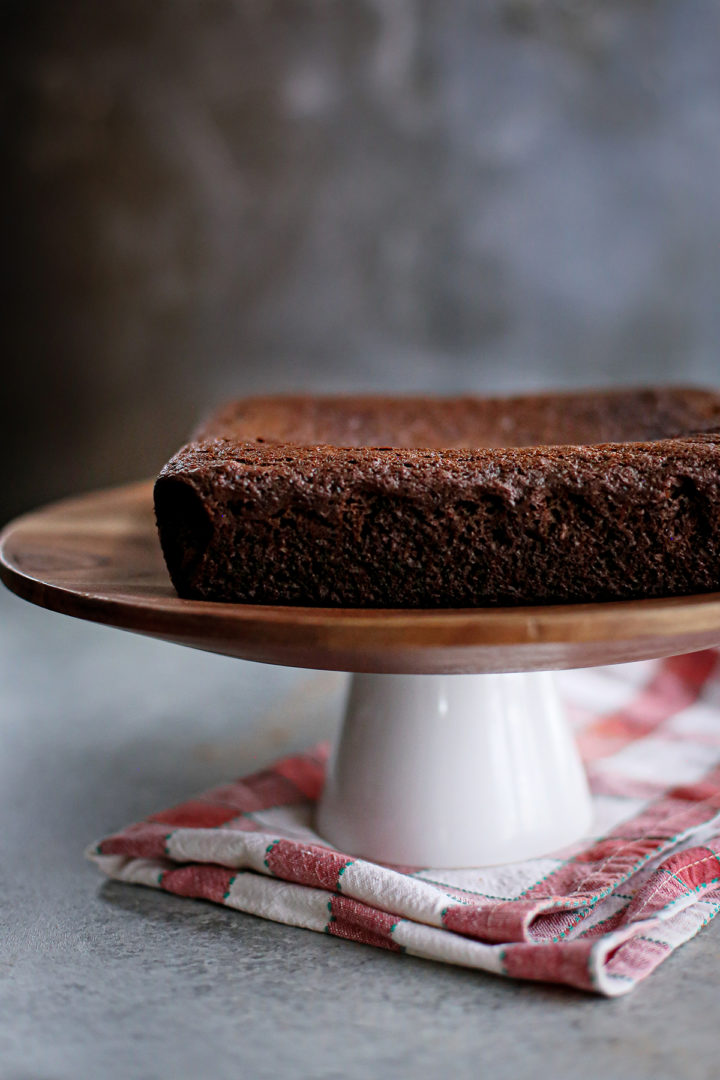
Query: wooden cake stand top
[97, 557]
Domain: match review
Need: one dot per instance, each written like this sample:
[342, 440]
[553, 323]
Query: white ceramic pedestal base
[454, 770]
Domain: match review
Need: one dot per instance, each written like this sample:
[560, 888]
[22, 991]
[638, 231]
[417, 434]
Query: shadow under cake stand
[454, 750]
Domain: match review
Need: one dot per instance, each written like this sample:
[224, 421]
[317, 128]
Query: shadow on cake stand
[454, 750]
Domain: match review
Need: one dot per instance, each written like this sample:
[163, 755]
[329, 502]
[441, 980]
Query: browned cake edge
[562, 418]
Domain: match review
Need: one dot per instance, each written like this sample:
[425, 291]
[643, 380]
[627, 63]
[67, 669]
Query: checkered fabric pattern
[600, 916]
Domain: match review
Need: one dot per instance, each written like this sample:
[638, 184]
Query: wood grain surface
[97, 557]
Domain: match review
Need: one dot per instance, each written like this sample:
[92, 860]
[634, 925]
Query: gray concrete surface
[99, 979]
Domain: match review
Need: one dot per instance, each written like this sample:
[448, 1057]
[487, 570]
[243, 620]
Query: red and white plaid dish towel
[600, 916]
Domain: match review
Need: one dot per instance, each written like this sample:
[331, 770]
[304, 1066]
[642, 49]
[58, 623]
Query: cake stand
[454, 749]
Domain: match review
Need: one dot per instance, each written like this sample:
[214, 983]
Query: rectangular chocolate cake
[430, 502]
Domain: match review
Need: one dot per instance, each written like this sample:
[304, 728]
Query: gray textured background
[210, 197]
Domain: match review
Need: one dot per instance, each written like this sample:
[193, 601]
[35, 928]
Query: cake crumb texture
[458, 502]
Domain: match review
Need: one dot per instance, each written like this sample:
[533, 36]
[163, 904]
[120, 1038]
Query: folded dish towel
[600, 917]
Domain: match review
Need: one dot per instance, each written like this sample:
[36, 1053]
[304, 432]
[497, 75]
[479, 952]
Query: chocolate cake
[430, 502]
